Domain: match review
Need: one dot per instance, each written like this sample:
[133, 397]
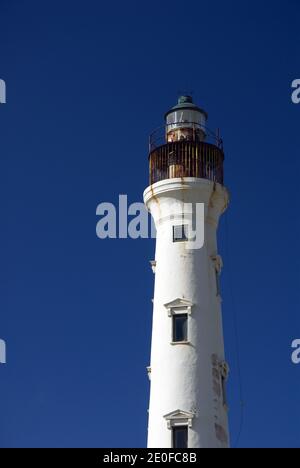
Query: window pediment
[179, 306]
[179, 418]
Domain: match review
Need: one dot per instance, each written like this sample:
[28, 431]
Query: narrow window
[218, 284]
[224, 393]
[224, 369]
[180, 233]
[180, 437]
[180, 327]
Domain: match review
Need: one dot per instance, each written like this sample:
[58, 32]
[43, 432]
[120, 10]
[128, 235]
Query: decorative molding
[153, 265]
[176, 343]
[149, 372]
[221, 366]
[224, 369]
[179, 418]
[221, 434]
[218, 263]
[179, 306]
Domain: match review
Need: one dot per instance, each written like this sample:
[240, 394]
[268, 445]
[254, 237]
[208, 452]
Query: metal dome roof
[186, 102]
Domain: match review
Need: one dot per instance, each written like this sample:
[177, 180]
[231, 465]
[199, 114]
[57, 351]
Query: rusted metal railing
[195, 130]
[186, 159]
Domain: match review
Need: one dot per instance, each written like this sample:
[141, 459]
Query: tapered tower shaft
[188, 371]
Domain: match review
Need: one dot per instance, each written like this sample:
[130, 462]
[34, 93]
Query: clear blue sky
[86, 83]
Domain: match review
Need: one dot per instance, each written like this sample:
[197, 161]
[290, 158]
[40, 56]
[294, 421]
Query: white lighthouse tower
[188, 371]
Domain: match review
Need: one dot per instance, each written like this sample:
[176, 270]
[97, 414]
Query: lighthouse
[188, 371]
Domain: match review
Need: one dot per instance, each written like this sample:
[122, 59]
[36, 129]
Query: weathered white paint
[185, 378]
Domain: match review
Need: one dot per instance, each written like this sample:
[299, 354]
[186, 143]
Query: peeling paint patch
[216, 376]
[221, 434]
[217, 388]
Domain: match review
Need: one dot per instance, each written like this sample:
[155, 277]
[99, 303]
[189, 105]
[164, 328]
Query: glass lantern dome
[185, 121]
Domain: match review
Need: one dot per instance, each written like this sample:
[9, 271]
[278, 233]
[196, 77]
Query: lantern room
[185, 121]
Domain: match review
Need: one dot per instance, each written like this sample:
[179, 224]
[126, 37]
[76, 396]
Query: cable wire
[236, 334]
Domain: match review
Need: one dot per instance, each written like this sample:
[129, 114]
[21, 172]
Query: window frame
[224, 391]
[184, 237]
[179, 306]
[217, 265]
[181, 427]
[224, 373]
[175, 317]
[218, 283]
